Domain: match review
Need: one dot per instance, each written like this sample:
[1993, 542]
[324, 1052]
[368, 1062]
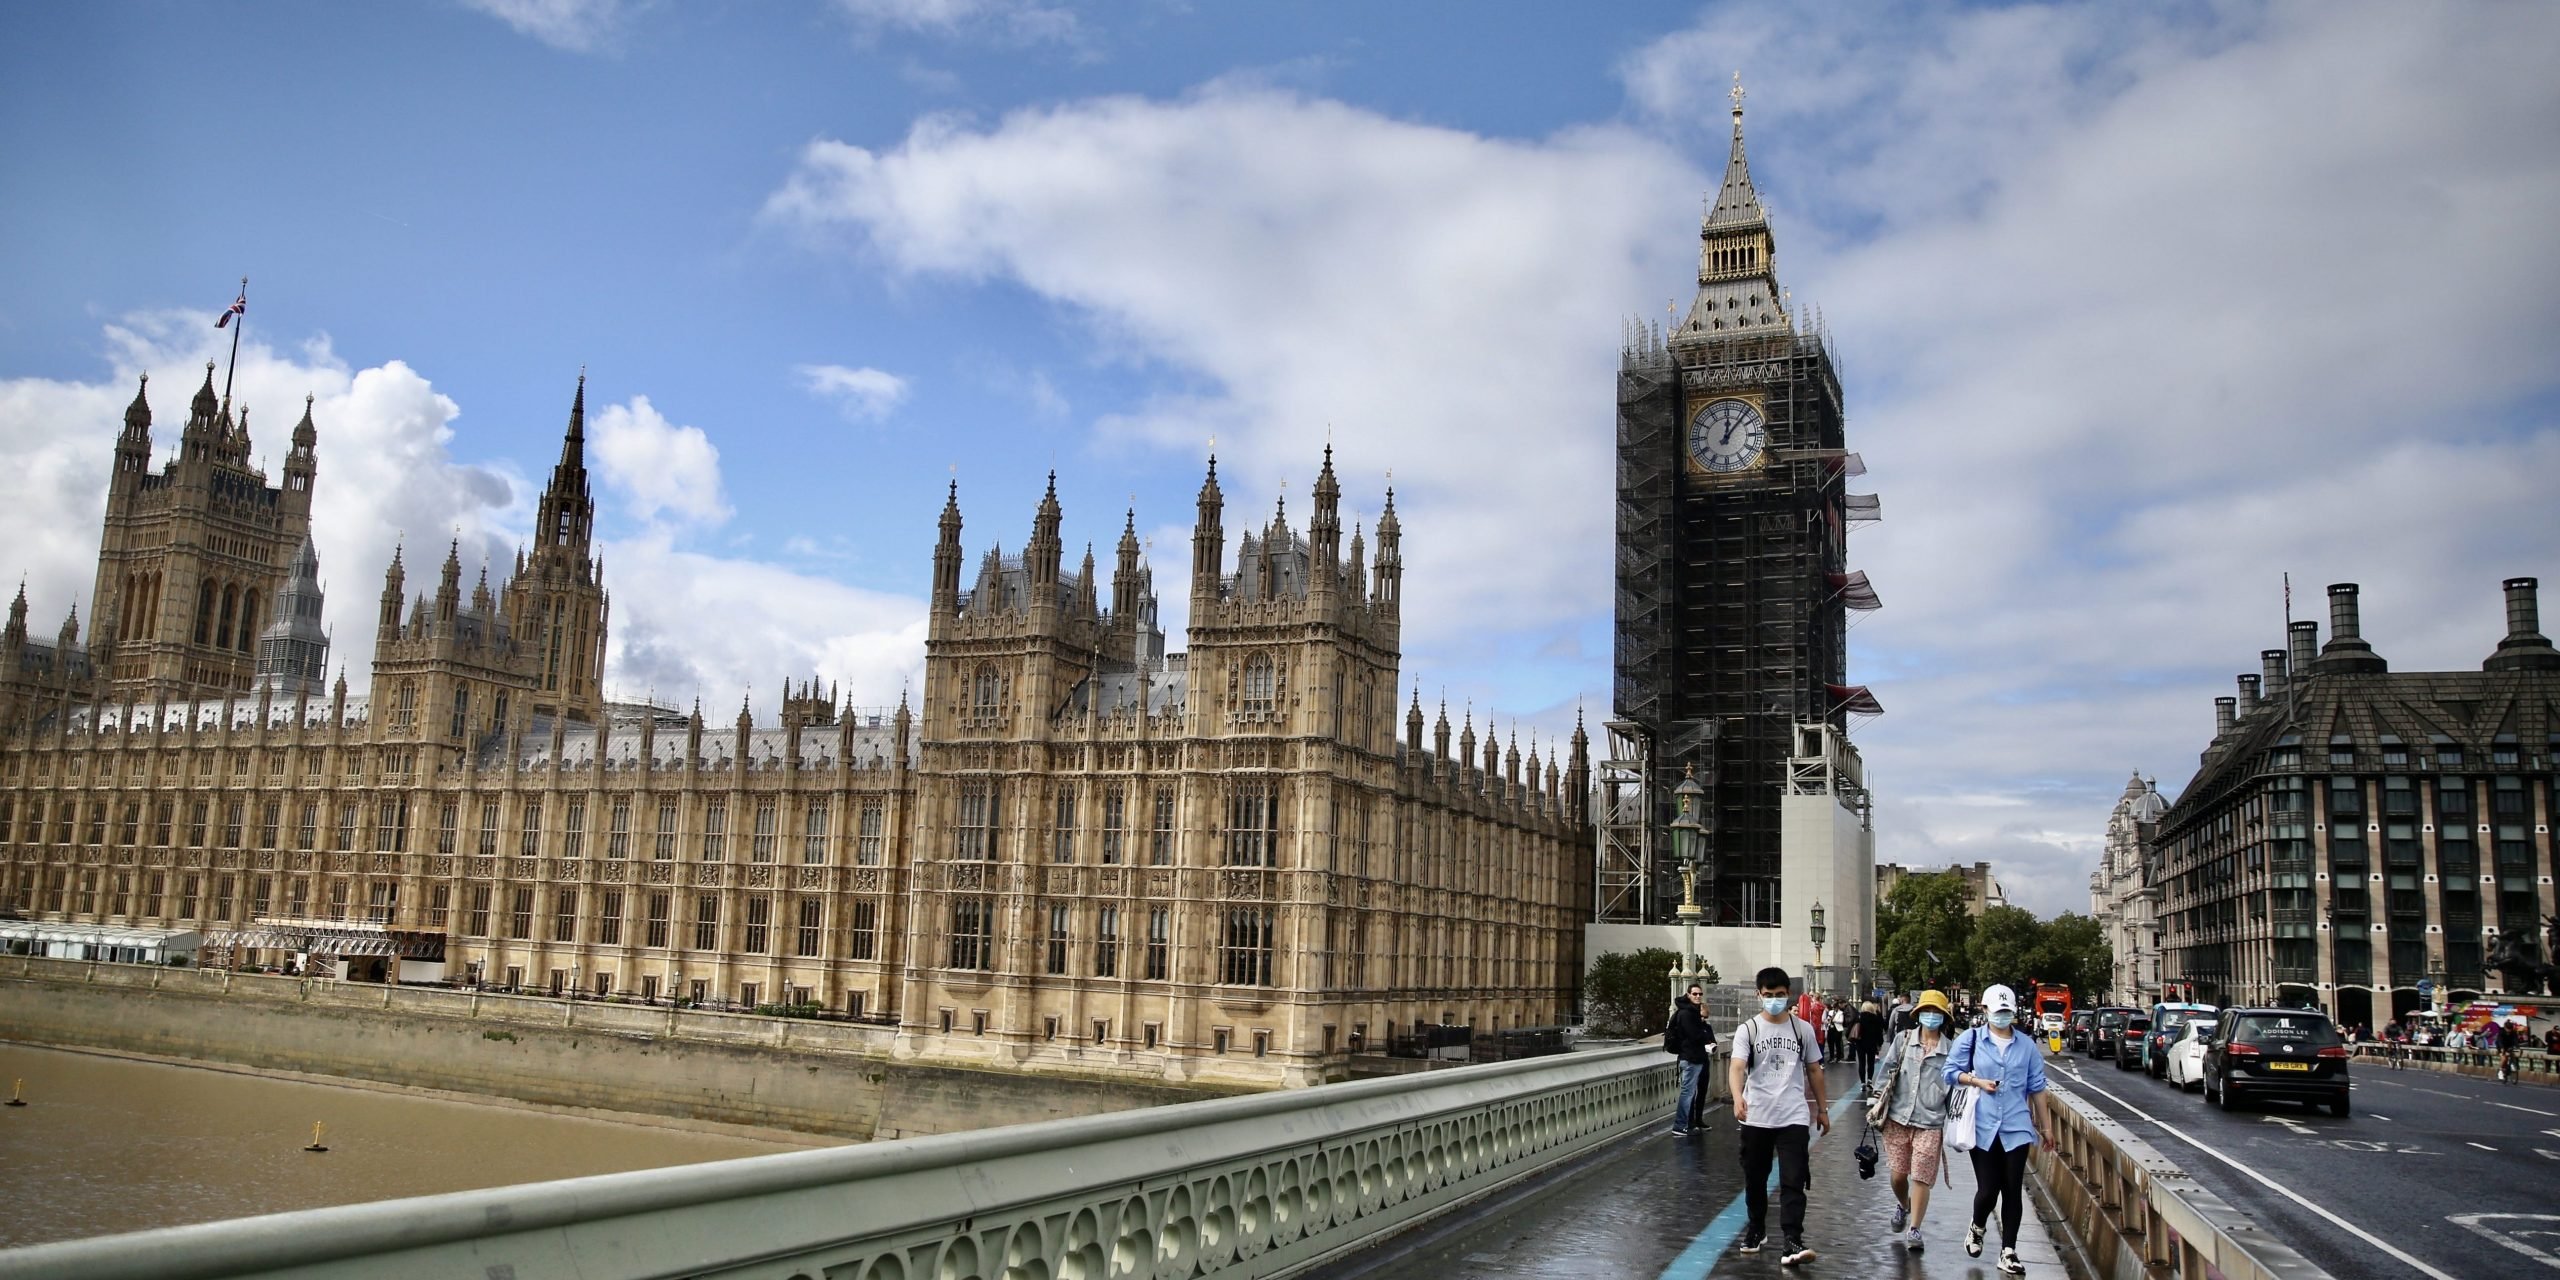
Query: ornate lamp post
[1688, 844]
[1815, 984]
[1857, 974]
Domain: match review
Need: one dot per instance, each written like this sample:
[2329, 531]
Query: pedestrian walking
[1694, 1039]
[2009, 1119]
[1911, 1108]
[1866, 1039]
[1778, 1102]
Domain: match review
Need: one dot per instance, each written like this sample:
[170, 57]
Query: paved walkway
[1658, 1205]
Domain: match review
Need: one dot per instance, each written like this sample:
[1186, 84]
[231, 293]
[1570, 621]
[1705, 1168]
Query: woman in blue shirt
[2013, 1115]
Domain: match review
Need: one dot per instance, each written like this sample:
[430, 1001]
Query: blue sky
[2138, 308]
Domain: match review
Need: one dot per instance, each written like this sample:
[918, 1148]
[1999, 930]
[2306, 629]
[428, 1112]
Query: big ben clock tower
[1731, 566]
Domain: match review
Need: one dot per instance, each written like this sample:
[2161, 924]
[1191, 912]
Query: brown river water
[113, 1144]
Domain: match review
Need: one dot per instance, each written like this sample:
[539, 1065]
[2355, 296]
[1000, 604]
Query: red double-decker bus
[2053, 1007]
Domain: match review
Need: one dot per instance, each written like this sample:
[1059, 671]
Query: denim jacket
[2001, 1118]
[1919, 1081]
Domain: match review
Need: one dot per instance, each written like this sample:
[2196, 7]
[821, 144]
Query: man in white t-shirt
[1778, 1100]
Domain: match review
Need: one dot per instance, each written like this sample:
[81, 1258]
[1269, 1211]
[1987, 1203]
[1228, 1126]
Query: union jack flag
[238, 306]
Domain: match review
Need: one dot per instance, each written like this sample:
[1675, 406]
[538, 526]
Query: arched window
[230, 610]
[1258, 683]
[248, 618]
[205, 593]
[984, 692]
[404, 706]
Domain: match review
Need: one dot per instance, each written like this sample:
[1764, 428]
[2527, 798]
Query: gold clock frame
[1694, 403]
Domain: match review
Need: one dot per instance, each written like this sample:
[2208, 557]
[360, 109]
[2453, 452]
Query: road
[2434, 1175]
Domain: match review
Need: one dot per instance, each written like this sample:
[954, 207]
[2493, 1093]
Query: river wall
[829, 1078]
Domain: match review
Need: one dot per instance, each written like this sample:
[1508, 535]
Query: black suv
[2108, 1028]
[2276, 1053]
[2081, 1021]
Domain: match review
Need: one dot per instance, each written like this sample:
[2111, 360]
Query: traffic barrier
[2137, 1216]
[1264, 1186]
[2534, 1066]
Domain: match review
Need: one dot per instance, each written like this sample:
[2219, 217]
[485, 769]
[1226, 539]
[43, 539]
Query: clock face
[1727, 436]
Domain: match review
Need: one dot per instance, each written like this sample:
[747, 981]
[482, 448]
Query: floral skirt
[1913, 1154]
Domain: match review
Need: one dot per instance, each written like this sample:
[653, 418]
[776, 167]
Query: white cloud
[1019, 22]
[659, 468]
[577, 26]
[864, 394]
[1447, 305]
[688, 624]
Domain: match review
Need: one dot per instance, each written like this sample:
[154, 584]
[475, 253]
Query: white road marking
[2547, 1153]
[2473, 1221]
[2530, 1110]
[2290, 1123]
[2440, 1093]
[2275, 1186]
[2482, 1145]
[2377, 1115]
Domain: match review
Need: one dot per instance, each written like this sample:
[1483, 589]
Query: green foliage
[1925, 913]
[2074, 950]
[2004, 948]
[1630, 991]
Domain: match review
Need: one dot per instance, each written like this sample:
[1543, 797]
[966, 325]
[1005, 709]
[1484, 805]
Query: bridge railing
[1261, 1186]
[2138, 1216]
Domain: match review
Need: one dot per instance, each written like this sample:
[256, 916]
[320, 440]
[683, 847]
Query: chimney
[2248, 696]
[2304, 639]
[2224, 711]
[2524, 649]
[2346, 650]
[2271, 672]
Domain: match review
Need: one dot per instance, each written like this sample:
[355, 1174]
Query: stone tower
[1731, 550]
[556, 605]
[293, 652]
[192, 557]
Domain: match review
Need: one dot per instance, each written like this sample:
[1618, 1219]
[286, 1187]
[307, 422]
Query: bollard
[17, 1094]
[315, 1138]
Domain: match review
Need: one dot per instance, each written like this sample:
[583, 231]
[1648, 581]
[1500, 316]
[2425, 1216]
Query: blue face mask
[1933, 1021]
[2002, 1017]
[1774, 1005]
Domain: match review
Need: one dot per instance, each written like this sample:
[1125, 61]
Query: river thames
[114, 1144]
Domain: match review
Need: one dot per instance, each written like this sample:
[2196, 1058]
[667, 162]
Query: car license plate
[2288, 1066]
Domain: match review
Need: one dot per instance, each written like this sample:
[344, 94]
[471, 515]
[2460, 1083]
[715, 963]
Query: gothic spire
[1737, 202]
[567, 515]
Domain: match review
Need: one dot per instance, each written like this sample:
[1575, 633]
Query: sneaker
[1973, 1241]
[1796, 1253]
[1901, 1219]
[2009, 1264]
[1751, 1244]
[1678, 1132]
[1911, 1240]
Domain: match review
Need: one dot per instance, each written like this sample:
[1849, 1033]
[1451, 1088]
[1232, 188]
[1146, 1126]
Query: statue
[2518, 956]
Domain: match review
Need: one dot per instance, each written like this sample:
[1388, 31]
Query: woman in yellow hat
[1911, 1108]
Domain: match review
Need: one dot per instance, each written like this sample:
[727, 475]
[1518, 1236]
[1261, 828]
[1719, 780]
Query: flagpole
[242, 316]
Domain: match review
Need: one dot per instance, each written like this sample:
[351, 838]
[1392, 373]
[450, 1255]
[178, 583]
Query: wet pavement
[1653, 1204]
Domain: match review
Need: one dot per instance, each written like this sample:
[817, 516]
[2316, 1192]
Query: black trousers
[1866, 1062]
[1788, 1146]
[2001, 1173]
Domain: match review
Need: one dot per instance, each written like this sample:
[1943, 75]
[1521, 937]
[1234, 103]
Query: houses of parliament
[1077, 851]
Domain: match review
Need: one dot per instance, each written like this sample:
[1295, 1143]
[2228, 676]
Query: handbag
[1961, 1100]
[1883, 1103]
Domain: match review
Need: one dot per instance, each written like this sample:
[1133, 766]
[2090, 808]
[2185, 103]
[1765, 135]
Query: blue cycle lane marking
[1700, 1257]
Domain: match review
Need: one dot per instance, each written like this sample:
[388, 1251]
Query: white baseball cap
[1999, 997]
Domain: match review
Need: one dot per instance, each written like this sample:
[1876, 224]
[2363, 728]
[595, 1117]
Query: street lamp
[1818, 934]
[1688, 844]
[1857, 975]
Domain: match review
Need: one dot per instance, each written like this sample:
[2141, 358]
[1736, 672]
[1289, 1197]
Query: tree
[1630, 991]
[1924, 914]
[2074, 950]
[2004, 948]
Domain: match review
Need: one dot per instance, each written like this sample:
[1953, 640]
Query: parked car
[2130, 1040]
[2078, 1037]
[2276, 1053]
[2183, 1064]
[2167, 1019]
[2110, 1024]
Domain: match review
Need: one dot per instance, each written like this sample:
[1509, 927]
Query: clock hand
[1727, 437]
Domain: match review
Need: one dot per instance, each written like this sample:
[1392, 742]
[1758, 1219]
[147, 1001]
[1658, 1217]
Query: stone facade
[2122, 898]
[1079, 854]
[2353, 831]
[1982, 890]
